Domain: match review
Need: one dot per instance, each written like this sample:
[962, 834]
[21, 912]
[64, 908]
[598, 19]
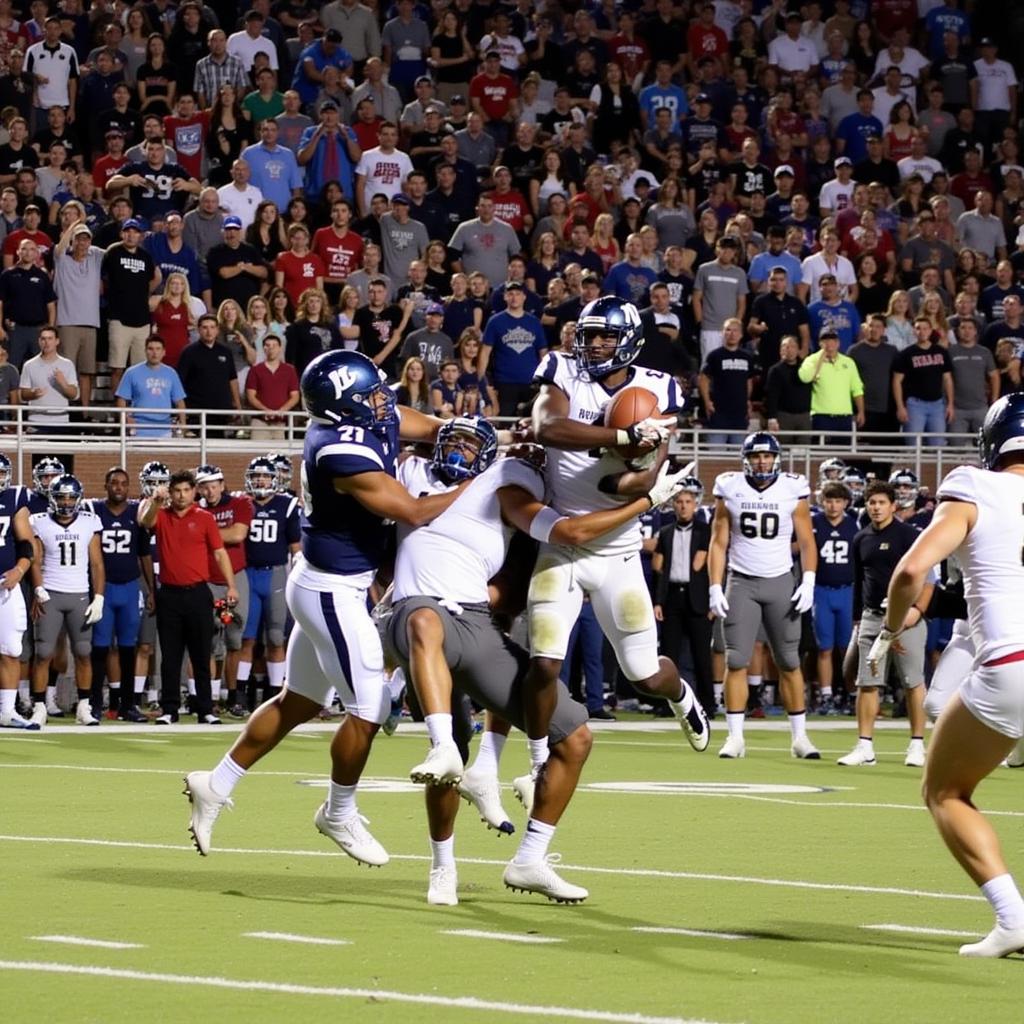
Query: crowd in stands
[818, 208]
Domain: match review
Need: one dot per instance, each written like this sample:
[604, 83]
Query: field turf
[782, 892]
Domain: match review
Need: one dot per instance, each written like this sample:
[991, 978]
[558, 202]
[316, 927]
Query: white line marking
[310, 940]
[78, 940]
[784, 883]
[697, 933]
[909, 930]
[140, 739]
[473, 933]
[383, 995]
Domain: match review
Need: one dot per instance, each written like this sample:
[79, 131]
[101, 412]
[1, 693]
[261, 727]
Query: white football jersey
[454, 556]
[573, 476]
[416, 476]
[761, 522]
[66, 550]
[990, 558]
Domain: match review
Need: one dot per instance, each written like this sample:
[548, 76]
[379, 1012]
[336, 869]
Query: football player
[349, 489]
[16, 555]
[908, 490]
[830, 471]
[583, 477]
[153, 474]
[68, 559]
[758, 514]
[982, 721]
[855, 483]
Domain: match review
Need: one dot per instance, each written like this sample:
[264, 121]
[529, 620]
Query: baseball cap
[424, 78]
[457, 98]
[702, 97]
[729, 242]
[842, 161]
[784, 169]
[434, 307]
[254, 15]
[131, 224]
[116, 132]
[81, 229]
[779, 269]
[794, 16]
[332, 35]
[328, 105]
[172, 215]
[232, 222]
[492, 53]
[401, 198]
[987, 41]
[515, 286]
[590, 278]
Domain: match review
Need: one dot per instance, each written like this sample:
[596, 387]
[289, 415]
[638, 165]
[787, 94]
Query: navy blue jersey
[11, 501]
[835, 559]
[121, 541]
[274, 528]
[338, 534]
[920, 520]
[37, 503]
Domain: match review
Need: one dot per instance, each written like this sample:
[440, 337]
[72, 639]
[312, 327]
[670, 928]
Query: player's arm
[552, 426]
[944, 534]
[417, 426]
[634, 483]
[386, 497]
[235, 533]
[804, 531]
[36, 570]
[719, 543]
[150, 507]
[24, 551]
[97, 571]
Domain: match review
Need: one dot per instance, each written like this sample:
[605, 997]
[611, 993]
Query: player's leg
[233, 650]
[442, 804]
[953, 668]
[275, 622]
[126, 630]
[47, 630]
[909, 662]
[824, 620]
[480, 785]
[259, 585]
[740, 629]
[977, 729]
[13, 621]
[102, 638]
[80, 638]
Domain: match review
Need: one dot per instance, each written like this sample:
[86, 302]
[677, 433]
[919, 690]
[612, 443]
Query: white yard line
[378, 995]
[696, 933]
[911, 930]
[309, 940]
[474, 933]
[79, 940]
[783, 883]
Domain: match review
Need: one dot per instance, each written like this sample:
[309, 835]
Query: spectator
[831, 314]
[855, 129]
[922, 385]
[405, 46]
[403, 240]
[330, 152]
[726, 383]
[412, 389]
[930, 285]
[874, 357]
[207, 372]
[828, 261]
[174, 314]
[494, 95]
[27, 303]
[55, 67]
[172, 255]
[429, 344]
[837, 392]
[155, 186]
[387, 101]
[235, 268]
[776, 314]
[266, 103]
[1010, 327]
[216, 69]
[299, 268]
[360, 34]
[993, 298]
[151, 386]
[249, 42]
[313, 332]
[77, 276]
[291, 122]
[787, 399]
[663, 336]
[186, 130]
[444, 390]
[975, 380]
[994, 94]
[272, 387]
[273, 169]
[719, 293]
[239, 198]
[10, 393]
[518, 343]
[49, 385]
[484, 243]
[204, 226]
[981, 229]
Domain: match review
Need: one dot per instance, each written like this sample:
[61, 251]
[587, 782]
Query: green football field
[767, 890]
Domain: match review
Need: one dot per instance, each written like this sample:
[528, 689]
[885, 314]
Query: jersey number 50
[759, 524]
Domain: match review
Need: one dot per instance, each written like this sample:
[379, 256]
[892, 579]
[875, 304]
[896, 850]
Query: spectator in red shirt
[30, 220]
[889, 16]
[629, 50]
[495, 97]
[272, 387]
[340, 249]
[299, 268]
[104, 168]
[971, 180]
[366, 124]
[186, 130]
[172, 317]
[705, 39]
[510, 205]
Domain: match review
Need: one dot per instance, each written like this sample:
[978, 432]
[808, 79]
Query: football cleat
[484, 793]
[206, 807]
[39, 714]
[862, 754]
[1015, 758]
[15, 721]
[209, 720]
[692, 718]
[166, 719]
[915, 755]
[441, 767]
[132, 714]
[352, 836]
[83, 713]
[999, 942]
[53, 709]
[525, 786]
[444, 887]
[733, 747]
[804, 749]
[540, 877]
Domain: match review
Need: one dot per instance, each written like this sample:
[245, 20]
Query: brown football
[629, 406]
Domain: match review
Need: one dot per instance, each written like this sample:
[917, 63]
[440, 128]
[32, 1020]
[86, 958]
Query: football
[629, 406]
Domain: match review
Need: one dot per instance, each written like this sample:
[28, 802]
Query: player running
[978, 517]
[758, 514]
[349, 489]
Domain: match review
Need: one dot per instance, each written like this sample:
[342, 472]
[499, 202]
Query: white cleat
[1015, 759]
[84, 715]
[804, 749]
[525, 786]
[441, 767]
[53, 709]
[692, 718]
[862, 754]
[38, 714]
[206, 807]
[915, 755]
[540, 877]
[353, 837]
[444, 887]
[999, 942]
[733, 747]
[15, 721]
[484, 793]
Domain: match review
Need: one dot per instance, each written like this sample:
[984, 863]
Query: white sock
[826, 693]
[536, 841]
[23, 689]
[244, 671]
[867, 743]
[685, 698]
[341, 802]
[734, 721]
[226, 776]
[439, 726]
[1004, 896]
[442, 852]
[538, 751]
[51, 695]
[215, 685]
[151, 696]
[396, 683]
[7, 701]
[489, 753]
[140, 684]
[719, 689]
[798, 725]
[190, 685]
[754, 682]
[917, 741]
[275, 673]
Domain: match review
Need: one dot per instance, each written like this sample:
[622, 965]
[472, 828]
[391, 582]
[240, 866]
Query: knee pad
[11, 648]
[81, 648]
[275, 636]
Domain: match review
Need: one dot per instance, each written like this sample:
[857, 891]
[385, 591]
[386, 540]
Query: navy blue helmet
[342, 387]
[907, 487]
[152, 475]
[65, 496]
[692, 485]
[450, 449]
[1003, 430]
[261, 467]
[614, 319]
[754, 444]
[44, 472]
[5, 472]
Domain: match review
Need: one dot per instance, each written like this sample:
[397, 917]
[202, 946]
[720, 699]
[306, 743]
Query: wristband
[621, 438]
[544, 522]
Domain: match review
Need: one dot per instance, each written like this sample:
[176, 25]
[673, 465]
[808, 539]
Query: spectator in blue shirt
[662, 93]
[855, 129]
[313, 59]
[172, 255]
[833, 314]
[273, 169]
[775, 256]
[151, 385]
[518, 343]
[940, 20]
[329, 151]
[630, 279]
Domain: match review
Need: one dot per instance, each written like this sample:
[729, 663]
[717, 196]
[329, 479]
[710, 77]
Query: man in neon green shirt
[837, 392]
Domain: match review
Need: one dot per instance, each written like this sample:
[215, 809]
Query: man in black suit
[681, 588]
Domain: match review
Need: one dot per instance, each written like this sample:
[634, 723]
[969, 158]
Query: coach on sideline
[187, 538]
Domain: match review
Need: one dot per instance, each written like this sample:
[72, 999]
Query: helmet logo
[342, 378]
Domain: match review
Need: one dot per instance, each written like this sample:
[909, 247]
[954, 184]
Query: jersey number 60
[759, 524]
